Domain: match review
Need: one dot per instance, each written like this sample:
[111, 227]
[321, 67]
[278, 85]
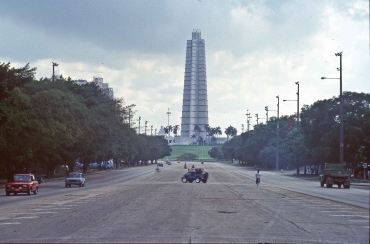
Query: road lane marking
[36, 213]
[26, 217]
[13, 223]
[344, 215]
[314, 205]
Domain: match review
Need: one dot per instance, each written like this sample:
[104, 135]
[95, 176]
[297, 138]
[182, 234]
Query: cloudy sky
[255, 50]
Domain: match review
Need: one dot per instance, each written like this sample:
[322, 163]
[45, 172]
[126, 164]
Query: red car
[22, 183]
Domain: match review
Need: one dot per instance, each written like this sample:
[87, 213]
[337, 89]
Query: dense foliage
[187, 157]
[313, 141]
[45, 124]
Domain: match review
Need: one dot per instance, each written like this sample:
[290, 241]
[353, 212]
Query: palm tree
[175, 129]
[169, 130]
[208, 129]
[230, 131]
[193, 136]
[217, 131]
[197, 129]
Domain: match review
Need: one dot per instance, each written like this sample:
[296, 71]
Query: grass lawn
[200, 151]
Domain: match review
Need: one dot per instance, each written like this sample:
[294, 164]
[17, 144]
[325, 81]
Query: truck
[335, 174]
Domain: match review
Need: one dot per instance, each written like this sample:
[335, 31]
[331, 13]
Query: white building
[104, 87]
[195, 103]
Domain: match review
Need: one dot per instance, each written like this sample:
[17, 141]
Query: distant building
[81, 82]
[106, 90]
[104, 87]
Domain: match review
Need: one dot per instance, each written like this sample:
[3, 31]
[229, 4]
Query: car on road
[109, 166]
[22, 183]
[75, 178]
[195, 174]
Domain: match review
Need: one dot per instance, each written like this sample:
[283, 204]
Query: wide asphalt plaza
[139, 205]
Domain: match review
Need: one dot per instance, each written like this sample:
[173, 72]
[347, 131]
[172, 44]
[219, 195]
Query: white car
[75, 178]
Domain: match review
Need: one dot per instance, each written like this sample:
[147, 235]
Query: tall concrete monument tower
[195, 103]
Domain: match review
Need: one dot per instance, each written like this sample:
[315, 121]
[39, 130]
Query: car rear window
[22, 178]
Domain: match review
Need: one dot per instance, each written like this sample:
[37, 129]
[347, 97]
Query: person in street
[258, 177]
[193, 166]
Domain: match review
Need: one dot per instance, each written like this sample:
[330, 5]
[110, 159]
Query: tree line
[211, 133]
[47, 123]
[312, 141]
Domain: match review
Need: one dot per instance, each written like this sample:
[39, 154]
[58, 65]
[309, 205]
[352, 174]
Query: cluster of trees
[313, 141]
[211, 133]
[168, 129]
[46, 123]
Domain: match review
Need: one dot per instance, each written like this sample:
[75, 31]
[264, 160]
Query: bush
[187, 156]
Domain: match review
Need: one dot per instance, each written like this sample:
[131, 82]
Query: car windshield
[74, 175]
[22, 178]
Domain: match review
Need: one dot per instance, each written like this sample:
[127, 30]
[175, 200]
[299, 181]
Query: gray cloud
[255, 49]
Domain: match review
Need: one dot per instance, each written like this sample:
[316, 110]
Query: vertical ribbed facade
[195, 103]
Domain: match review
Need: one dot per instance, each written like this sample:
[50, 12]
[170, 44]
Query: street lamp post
[151, 130]
[54, 64]
[277, 136]
[248, 117]
[168, 122]
[146, 122]
[267, 113]
[297, 83]
[257, 117]
[341, 136]
[139, 124]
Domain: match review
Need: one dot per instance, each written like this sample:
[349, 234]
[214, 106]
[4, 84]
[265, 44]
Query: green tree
[230, 132]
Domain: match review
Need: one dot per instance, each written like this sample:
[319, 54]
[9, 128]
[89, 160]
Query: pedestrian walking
[258, 177]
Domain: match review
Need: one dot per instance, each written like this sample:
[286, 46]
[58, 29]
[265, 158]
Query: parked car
[75, 178]
[94, 165]
[197, 174]
[109, 166]
[102, 166]
[160, 164]
[22, 183]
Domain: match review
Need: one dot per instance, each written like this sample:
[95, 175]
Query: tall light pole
[168, 122]
[139, 124]
[267, 113]
[341, 136]
[257, 117]
[151, 130]
[297, 83]
[248, 117]
[54, 64]
[277, 136]
[146, 122]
